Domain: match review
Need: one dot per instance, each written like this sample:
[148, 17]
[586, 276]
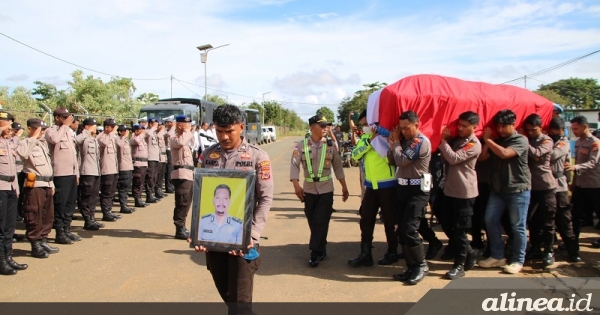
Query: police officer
[542, 205]
[232, 273]
[459, 156]
[9, 190]
[17, 131]
[183, 174]
[143, 122]
[89, 179]
[411, 153]
[220, 226]
[162, 160]
[153, 158]
[66, 172]
[139, 152]
[318, 160]
[125, 167]
[561, 153]
[586, 183]
[170, 127]
[109, 169]
[38, 190]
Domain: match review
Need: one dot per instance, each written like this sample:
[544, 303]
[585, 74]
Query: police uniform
[66, 170]
[153, 158]
[460, 189]
[89, 179]
[411, 157]
[229, 231]
[542, 205]
[9, 190]
[14, 141]
[139, 152]
[319, 160]
[182, 178]
[169, 169]
[586, 182]
[162, 163]
[109, 170]
[234, 275]
[561, 152]
[125, 161]
[38, 205]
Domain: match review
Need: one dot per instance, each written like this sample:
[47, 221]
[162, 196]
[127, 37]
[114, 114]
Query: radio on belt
[425, 182]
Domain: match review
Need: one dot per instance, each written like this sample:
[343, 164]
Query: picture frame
[222, 209]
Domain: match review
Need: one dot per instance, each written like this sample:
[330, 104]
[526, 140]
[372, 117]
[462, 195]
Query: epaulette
[236, 220]
[206, 215]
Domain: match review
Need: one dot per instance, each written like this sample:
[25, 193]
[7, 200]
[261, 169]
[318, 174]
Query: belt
[163, 152]
[187, 167]
[318, 179]
[7, 178]
[44, 178]
[409, 182]
[19, 162]
[140, 159]
[558, 175]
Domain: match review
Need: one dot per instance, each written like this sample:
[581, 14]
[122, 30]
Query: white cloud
[18, 77]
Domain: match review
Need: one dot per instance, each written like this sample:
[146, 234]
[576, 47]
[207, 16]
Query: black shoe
[12, 263]
[388, 259]
[420, 269]
[72, 236]
[5, 268]
[471, 259]
[127, 210]
[140, 204]
[47, 248]
[18, 237]
[364, 258]
[575, 258]
[170, 191]
[181, 233]
[316, 257]
[456, 272]
[548, 258]
[534, 253]
[448, 254]
[403, 276]
[62, 238]
[151, 200]
[596, 243]
[109, 217]
[37, 250]
[433, 248]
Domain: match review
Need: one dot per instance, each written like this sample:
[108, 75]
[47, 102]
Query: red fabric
[440, 100]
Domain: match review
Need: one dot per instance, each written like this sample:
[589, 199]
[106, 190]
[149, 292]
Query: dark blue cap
[183, 118]
[137, 127]
[152, 120]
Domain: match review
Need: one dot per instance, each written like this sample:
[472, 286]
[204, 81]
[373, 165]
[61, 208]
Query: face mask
[555, 138]
[367, 130]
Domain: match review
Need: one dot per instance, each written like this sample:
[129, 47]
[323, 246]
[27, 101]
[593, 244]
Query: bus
[253, 132]
[198, 110]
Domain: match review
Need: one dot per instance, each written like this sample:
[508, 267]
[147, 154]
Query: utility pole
[525, 79]
[171, 86]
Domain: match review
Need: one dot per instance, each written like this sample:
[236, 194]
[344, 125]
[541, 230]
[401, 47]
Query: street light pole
[263, 106]
[204, 49]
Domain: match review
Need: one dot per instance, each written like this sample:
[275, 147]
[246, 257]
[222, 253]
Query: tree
[581, 93]
[357, 103]
[147, 98]
[552, 96]
[328, 113]
[20, 103]
[216, 99]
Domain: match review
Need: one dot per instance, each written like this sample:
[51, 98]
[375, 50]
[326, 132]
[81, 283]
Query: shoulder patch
[546, 141]
[560, 144]
[595, 146]
[265, 170]
[468, 146]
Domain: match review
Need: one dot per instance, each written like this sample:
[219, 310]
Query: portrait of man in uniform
[222, 210]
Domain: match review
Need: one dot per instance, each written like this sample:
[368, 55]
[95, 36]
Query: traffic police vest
[319, 177]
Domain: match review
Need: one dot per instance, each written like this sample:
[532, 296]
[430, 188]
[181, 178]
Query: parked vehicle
[266, 138]
[347, 160]
[271, 132]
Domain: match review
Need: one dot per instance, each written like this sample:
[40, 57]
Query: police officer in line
[66, 172]
[319, 160]
[220, 226]
[125, 161]
[411, 152]
[89, 179]
[170, 128]
[139, 152]
[380, 191]
[109, 169]
[9, 190]
[459, 185]
[143, 122]
[37, 192]
[183, 174]
[586, 182]
[561, 152]
[233, 272]
[17, 131]
[542, 205]
[162, 160]
[153, 158]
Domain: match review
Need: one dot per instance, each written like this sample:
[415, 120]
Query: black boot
[573, 249]
[181, 233]
[410, 262]
[127, 210]
[5, 268]
[12, 263]
[123, 202]
[170, 189]
[49, 249]
[159, 193]
[139, 203]
[62, 238]
[365, 258]
[70, 235]
[457, 271]
[90, 223]
[420, 269]
[37, 250]
[389, 258]
[108, 216]
[534, 253]
[548, 256]
[433, 248]
[151, 199]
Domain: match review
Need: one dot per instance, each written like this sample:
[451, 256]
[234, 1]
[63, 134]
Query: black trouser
[459, 213]
[564, 219]
[477, 221]
[123, 186]
[583, 200]
[541, 214]
[8, 217]
[318, 210]
[138, 178]
[411, 203]
[168, 183]
[38, 212]
[373, 200]
[183, 200]
[442, 214]
[108, 185]
[234, 279]
[160, 176]
[65, 196]
[89, 189]
[21, 181]
[150, 180]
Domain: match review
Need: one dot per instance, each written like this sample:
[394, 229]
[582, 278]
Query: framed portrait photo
[222, 209]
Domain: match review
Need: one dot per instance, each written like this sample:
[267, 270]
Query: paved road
[137, 259]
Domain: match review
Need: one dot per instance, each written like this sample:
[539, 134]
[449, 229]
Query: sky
[304, 53]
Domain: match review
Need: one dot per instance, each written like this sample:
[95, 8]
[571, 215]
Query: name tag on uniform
[207, 231]
[211, 162]
[243, 163]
